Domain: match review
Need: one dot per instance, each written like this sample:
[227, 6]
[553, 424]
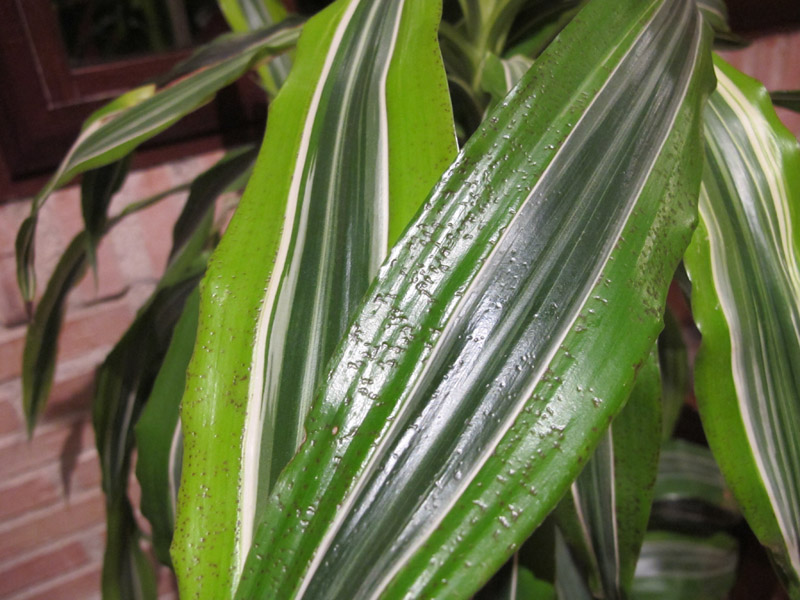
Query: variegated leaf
[503, 332]
[115, 131]
[743, 263]
[355, 139]
[605, 515]
[674, 566]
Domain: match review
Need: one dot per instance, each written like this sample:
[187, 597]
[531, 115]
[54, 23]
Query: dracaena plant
[425, 353]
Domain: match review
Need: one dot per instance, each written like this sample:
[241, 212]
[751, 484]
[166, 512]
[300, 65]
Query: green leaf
[605, 516]
[204, 191]
[355, 139]
[538, 24]
[787, 99]
[41, 339]
[743, 263]
[504, 330]
[570, 583]
[682, 567]
[127, 573]
[97, 189]
[159, 438]
[116, 133]
[251, 15]
[516, 582]
[123, 384]
[502, 74]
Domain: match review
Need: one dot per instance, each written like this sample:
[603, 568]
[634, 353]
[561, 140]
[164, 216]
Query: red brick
[22, 456]
[167, 586]
[71, 395]
[81, 333]
[87, 472]
[83, 584]
[159, 221]
[72, 517]
[12, 215]
[30, 494]
[12, 308]
[109, 282]
[47, 565]
[772, 60]
[9, 418]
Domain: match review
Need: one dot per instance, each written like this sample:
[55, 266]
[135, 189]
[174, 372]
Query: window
[45, 93]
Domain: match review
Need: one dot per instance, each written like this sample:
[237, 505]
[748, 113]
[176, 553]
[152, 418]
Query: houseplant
[444, 402]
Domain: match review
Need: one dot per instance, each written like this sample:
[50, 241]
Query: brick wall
[51, 508]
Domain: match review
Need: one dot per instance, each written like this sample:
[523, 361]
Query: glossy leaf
[479, 370]
[609, 504]
[159, 438]
[115, 133]
[346, 160]
[681, 567]
[743, 263]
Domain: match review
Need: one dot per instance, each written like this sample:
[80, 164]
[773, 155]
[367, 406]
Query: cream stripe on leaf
[343, 161]
[743, 263]
[489, 354]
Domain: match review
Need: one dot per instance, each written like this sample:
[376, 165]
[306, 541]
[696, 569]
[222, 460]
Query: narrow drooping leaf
[251, 15]
[479, 372]
[127, 572]
[715, 13]
[346, 161]
[786, 99]
[743, 263]
[502, 74]
[41, 340]
[570, 582]
[604, 517]
[684, 567]
[538, 23]
[158, 434]
[516, 582]
[97, 189]
[123, 384]
[115, 133]
[205, 190]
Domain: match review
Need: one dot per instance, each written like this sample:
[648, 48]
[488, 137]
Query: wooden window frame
[44, 100]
